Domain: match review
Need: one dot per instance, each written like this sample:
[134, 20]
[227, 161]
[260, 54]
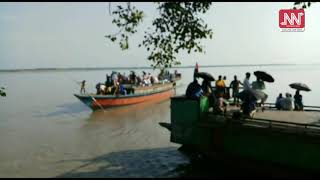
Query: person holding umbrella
[247, 97]
[194, 90]
[298, 105]
[82, 87]
[257, 87]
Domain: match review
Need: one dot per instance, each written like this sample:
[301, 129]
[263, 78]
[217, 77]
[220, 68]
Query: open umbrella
[205, 75]
[264, 76]
[300, 86]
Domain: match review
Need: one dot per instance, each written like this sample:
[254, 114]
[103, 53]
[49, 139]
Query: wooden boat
[289, 138]
[141, 94]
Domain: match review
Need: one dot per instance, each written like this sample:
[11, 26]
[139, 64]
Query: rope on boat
[97, 103]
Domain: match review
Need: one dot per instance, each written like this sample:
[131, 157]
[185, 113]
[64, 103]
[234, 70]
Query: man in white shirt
[246, 82]
[114, 78]
[286, 103]
[247, 97]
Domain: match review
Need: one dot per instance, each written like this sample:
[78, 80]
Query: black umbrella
[264, 76]
[300, 86]
[205, 76]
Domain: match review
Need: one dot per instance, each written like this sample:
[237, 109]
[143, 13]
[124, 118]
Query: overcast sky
[67, 34]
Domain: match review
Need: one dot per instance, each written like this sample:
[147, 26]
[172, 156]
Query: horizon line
[141, 67]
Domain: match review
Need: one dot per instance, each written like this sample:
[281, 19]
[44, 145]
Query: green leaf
[113, 39]
[178, 27]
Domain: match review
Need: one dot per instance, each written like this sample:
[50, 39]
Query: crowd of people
[115, 82]
[289, 103]
[216, 95]
[253, 94]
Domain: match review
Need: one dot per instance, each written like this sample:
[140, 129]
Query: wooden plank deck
[308, 117]
[305, 122]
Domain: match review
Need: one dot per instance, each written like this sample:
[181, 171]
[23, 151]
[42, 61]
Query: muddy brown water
[47, 132]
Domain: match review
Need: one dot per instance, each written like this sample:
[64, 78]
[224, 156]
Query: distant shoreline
[146, 67]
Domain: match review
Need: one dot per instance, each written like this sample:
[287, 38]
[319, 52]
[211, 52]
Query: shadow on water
[158, 162]
[170, 162]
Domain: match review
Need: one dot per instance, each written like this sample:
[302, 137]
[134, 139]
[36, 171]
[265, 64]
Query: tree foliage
[127, 19]
[177, 28]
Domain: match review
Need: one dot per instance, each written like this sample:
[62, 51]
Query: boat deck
[306, 122]
[308, 117]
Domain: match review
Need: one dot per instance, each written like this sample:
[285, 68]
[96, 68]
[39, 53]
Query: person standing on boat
[154, 79]
[98, 88]
[114, 78]
[220, 87]
[235, 86]
[122, 90]
[125, 78]
[257, 87]
[82, 88]
[298, 105]
[279, 98]
[132, 77]
[247, 96]
[145, 78]
[246, 82]
[103, 89]
[207, 91]
[175, 73]
[194, 90]
[120, 77]
[226, 94]
[116, 91]
[225, 79]
[149, 79]
[108, 81]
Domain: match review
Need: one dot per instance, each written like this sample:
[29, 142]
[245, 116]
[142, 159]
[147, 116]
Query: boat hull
[294, 145]
[107, 101]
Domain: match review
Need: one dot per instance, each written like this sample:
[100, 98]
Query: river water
[47, 132]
